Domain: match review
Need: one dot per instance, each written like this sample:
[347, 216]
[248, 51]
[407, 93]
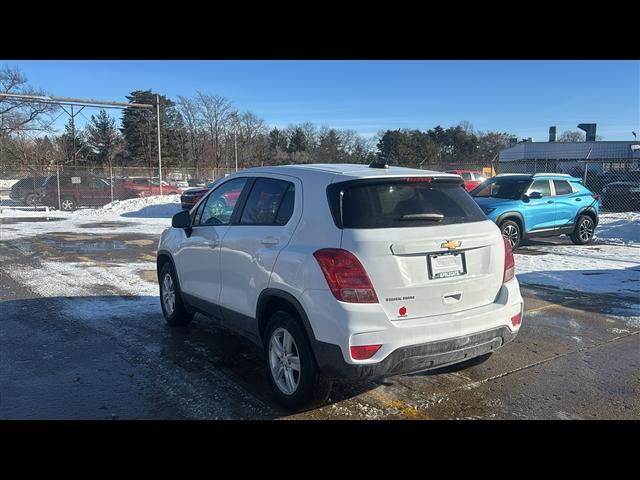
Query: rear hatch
[427, 247]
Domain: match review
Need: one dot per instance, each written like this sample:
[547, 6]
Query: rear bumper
[415, 358]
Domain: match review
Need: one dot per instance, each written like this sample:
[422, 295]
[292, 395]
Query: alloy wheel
[585, 230]
[284, 361]
[511, 234]
[168, 294]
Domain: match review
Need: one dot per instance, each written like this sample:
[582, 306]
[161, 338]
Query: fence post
[111, 181]
[586, 169]
[58, 182]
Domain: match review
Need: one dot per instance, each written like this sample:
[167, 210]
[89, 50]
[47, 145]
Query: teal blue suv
[541, 205]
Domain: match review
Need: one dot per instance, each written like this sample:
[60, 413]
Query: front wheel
[173, 309]
[511, 232]
[292, 373]
[583, 232]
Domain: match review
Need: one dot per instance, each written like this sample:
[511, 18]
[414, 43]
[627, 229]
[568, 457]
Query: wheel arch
[271, 300]
[515, 217]
[589, 211]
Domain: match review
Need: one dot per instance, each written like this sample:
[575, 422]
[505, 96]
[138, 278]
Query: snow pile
[620, 228]
[156, 206]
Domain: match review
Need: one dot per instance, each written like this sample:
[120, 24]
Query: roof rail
[511, 174]
[552, 174]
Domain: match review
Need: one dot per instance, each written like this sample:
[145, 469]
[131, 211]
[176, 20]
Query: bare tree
[17, 115]
[215, 114]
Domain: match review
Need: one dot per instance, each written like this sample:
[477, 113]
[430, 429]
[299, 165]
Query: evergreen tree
[103, 138]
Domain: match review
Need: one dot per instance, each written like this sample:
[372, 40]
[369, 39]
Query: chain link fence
[69, 188]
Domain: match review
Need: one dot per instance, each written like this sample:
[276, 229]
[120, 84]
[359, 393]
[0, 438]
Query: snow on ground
[149, 215]
[7, 184]
[611, 264]
[622, 228]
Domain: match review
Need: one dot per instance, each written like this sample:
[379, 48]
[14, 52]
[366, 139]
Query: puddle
[95, 248]
[106, 224]
[29, 219]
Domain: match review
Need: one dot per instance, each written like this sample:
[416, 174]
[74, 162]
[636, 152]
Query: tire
[173, 309]
[307, 387]
[511, 231]
[31, 200]
[584, 230]
[68, 204]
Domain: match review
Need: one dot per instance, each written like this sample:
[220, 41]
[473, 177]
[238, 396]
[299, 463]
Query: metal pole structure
[73, 135]
[58, 179]
[159, 150]
[111, 181]
[235, 136]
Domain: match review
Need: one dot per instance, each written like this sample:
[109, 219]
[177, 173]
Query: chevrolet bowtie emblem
[451, 244]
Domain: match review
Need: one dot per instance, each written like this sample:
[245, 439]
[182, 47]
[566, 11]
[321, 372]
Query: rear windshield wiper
[433, 217]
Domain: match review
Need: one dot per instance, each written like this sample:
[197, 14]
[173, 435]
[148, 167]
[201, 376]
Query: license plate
[446, 265]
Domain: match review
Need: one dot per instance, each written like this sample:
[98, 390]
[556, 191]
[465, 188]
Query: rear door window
[402, 203]
[264, 203]
[562, 187]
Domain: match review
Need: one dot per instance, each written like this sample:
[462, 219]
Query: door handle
[578, 199]
[269, 241]
[549, 201]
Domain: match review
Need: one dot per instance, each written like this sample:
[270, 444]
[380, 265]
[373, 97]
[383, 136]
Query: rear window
[401, 203]
[562, 187]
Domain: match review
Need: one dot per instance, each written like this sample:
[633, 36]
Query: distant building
[570, 157]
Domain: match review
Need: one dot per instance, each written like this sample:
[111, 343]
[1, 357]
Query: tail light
[364, 352]
[347, 278]
[516, 320]
[509, 262]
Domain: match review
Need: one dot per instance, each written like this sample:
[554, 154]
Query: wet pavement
[82, 337]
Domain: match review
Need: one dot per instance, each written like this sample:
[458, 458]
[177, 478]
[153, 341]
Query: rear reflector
[345, 275]
[515, 321]
[509, 262]
[364, 352]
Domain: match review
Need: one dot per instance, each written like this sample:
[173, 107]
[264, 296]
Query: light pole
[235, 136]
[634, 137]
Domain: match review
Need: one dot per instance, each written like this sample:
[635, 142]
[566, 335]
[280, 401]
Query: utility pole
[159, 149]
[235, 136]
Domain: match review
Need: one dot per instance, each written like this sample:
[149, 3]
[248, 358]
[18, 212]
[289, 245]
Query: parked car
[540, 205]
[472, 178]
[28, 190]
[621, 196]
[596, 183]
[192, 196]
[81, 191]
[343, 271]
[146, 186]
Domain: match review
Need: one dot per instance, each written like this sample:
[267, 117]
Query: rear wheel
[68, 204]
[292, 373]
[31, 199]
[511, 232]
[583, 232]
[173, 309]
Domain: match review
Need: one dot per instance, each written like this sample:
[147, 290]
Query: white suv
[343, 271]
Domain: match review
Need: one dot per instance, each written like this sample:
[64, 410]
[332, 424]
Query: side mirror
[181, 220]
[535, 195]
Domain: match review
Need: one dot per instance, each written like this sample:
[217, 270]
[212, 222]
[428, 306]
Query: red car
[472, 178]
[147, 187]
[81, 191]
[192, 196]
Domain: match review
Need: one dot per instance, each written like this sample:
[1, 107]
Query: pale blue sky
[519, 97]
